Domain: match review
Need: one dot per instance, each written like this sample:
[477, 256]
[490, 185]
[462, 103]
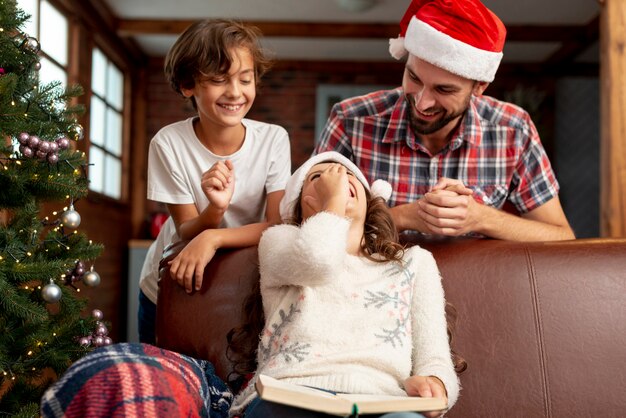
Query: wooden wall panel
[612, 118]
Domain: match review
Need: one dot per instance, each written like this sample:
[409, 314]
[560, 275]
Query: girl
[346, 308]
[222, 176]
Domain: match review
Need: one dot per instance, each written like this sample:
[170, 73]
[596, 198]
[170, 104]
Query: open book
[313, 399]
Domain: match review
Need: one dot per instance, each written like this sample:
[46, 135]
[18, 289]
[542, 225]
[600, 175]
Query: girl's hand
[218, 184]
[189, 264]
[426, 386]
[333, 189]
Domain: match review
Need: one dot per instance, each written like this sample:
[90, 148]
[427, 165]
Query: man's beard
[421, 127]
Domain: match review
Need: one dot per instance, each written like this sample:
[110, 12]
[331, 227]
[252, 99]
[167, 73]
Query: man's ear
[479, 88]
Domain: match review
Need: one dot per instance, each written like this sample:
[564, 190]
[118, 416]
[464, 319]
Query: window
[329, 94]
[106, 126]
[50, 27]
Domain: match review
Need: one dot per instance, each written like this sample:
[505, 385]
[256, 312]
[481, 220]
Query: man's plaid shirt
[496, 151]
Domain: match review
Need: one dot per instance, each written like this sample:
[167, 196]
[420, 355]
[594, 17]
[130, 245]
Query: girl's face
[223, 100]
[325, 181]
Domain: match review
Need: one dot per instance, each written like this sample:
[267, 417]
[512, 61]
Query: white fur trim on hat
[443, 51]
[294, 185]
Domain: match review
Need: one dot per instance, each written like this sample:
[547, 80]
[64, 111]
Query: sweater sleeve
[305, 256]
[431, 349]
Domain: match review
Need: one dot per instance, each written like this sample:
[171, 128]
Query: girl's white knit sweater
[345, 323]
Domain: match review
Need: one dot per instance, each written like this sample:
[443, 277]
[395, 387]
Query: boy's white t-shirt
[176, 161]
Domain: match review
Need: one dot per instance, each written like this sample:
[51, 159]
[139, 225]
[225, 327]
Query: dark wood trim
[577, 43]
[515, 33]
[102, 23]
[130, 27]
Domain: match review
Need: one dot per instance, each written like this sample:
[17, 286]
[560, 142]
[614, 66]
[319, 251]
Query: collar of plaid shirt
[398, 128]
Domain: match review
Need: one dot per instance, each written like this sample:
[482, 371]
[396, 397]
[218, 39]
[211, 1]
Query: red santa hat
[460, 36]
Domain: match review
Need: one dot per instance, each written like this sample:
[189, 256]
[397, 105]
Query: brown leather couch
[541, 325]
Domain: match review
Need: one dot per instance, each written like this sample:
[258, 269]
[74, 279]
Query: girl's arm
[304, 256]
[431, 349]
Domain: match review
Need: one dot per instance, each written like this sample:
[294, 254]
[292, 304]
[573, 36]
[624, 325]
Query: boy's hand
[218, 184]
[426, 387]
[189, 264]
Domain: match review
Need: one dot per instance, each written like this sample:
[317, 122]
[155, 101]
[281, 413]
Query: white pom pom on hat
[293, 189]
[381, 188]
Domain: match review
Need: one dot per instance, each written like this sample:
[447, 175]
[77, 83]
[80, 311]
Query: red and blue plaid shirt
[496, 150]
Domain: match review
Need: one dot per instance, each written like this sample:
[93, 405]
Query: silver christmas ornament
[91, 278]
[51, 293]
[76, 131]
[32, 44]
[97, 314]
[71, 218]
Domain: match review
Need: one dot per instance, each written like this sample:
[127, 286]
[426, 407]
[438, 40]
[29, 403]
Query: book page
[299, 396]
[388, 403]
[319, 400]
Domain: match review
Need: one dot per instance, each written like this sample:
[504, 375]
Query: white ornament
[51, 293]
[71, 218]
[91, 278]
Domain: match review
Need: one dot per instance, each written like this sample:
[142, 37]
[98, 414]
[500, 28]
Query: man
[455, 158]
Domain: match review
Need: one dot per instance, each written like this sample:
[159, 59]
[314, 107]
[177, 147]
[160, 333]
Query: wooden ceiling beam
[515, 33]
[577, 44]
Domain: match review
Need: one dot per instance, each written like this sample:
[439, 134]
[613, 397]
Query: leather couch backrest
[541, 325]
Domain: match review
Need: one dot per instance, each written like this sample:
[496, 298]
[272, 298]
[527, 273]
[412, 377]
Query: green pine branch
[37, 337]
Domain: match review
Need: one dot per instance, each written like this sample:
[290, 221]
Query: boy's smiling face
[224, 100]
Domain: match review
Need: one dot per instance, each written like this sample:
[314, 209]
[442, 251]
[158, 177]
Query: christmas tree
[43, 257]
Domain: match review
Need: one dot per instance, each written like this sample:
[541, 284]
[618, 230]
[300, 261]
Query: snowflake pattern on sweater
[275, 341]
[400, 299]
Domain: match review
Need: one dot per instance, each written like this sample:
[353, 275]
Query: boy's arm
[190, 223]
[272, 212]
[189, 264]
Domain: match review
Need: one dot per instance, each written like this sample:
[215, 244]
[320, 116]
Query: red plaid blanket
[138, 380]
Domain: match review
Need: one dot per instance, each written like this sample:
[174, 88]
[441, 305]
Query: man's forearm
[502, 225]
